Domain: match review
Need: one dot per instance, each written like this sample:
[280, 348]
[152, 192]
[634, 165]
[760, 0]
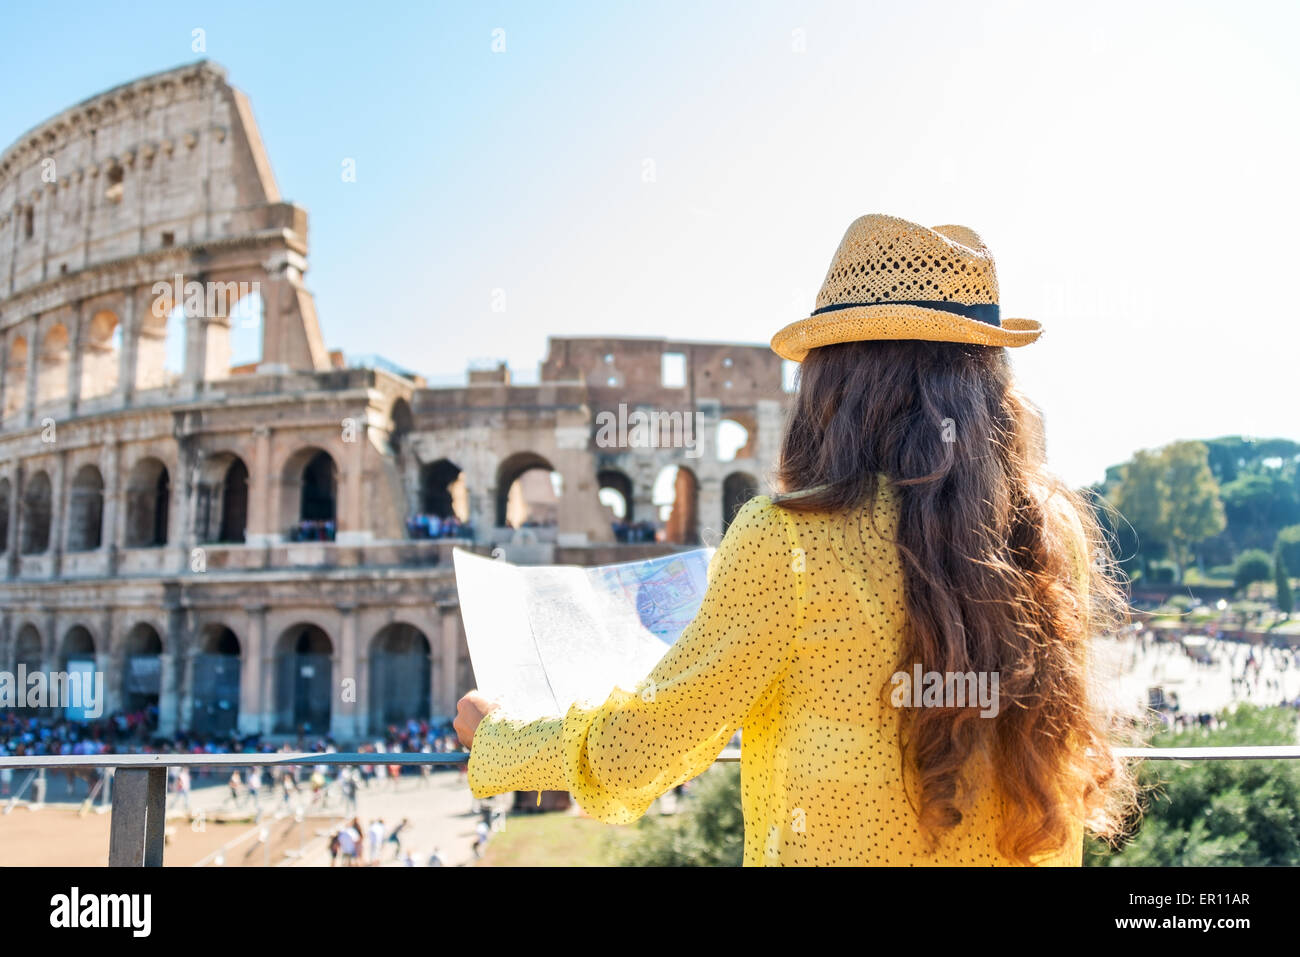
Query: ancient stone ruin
[235, 524]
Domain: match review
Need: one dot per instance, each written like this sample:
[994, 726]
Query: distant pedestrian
[183, 785]
[395, 838]
[255, 786]
[375, 839]
[349, 843]
[287, 789]
[481, 833]
[349, 786]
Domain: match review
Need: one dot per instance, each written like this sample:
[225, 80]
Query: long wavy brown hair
[988, 539]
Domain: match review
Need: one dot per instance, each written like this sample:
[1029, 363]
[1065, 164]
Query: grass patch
[1193, 576]
[553, 839]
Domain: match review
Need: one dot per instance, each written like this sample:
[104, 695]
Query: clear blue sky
[1131, 165]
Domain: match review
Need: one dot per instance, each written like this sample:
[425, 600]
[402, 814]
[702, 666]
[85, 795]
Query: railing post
[139, 812]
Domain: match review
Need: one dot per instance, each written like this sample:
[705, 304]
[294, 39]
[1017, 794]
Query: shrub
[1217, 813]
[1253, 565]
[1161, 573]
[709, 832]
[1288, 544]
[1282, 580]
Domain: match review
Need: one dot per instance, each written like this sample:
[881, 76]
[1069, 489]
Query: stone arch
[36, 511]
[29, 647]
[86, 510]
[15, 393]
[100, 354]
[148, 504]
[310, 489]
[513, 500]
[677, 495]
[401, 422]
[400, 677]
[78, 644]
[28, 654]
[615, 484]
[221, 499]
[53, 363]
[219, 640]
[304, 687]
[140, 656]
[160, 344]
[442, 490]
[737, 489]
[737, 436]
[243, 341]
[215, 681]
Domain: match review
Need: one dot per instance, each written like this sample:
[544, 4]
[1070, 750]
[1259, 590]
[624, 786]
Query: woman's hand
[469, 712]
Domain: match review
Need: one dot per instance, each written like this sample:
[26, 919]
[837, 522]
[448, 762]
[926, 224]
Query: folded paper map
[542, 637]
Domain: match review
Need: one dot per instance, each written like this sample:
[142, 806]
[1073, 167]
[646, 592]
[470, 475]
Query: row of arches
[303, 678]
[147, 500]
[220, 502]
[400, 677]
[528, 494]
[160, 349]
[139, 651]
[528, 489]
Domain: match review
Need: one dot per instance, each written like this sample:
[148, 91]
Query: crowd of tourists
[313, 530]
[432, 526]
[634, 532]
[355, 844]
[133, 733]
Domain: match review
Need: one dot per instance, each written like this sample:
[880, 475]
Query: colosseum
[236, 525]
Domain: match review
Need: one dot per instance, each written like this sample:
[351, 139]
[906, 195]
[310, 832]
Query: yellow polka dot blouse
[798, 633]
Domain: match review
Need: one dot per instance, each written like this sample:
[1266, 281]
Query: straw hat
[891, 279]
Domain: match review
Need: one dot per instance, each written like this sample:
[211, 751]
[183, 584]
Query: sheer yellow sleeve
[617, 758]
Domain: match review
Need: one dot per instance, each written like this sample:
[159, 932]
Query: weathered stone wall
[110, 213]
[115, 176]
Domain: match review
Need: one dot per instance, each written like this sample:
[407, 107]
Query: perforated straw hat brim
[894, 279]
[897, 322]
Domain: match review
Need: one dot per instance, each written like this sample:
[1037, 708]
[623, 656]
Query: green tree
[1253, 565]
[1259, 504]
[709, 832]
[1220, 813]
[1234, 453]
[1142, 497]
[1288, 546]
[1285, 600]
[1195, 511]
[1171, 496]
